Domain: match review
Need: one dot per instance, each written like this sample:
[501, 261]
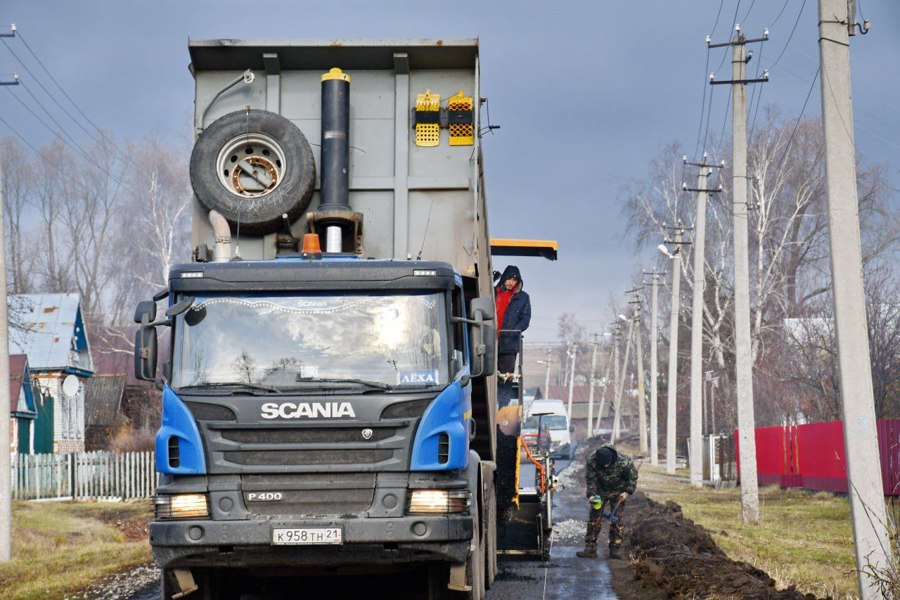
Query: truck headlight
[181, 506]
[439, 501]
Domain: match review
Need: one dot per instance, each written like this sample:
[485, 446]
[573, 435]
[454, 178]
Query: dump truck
[329, 400]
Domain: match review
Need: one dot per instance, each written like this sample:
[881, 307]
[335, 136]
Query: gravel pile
[121, 585]
[569, 532]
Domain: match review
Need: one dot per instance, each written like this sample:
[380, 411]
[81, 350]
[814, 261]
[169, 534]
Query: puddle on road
[578, 577]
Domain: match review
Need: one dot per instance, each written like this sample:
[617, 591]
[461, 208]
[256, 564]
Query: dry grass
[804, 539]
[61, 547]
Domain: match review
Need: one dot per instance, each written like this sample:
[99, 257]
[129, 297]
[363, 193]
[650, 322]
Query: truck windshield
[286, 341]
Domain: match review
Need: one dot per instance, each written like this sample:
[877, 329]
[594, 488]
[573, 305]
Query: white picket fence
[84, 476]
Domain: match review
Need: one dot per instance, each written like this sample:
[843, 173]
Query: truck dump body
[417, 202]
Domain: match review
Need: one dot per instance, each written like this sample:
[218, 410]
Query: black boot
[615, 551]
[588, 552]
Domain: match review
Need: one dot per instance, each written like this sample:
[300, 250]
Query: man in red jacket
[513, 317]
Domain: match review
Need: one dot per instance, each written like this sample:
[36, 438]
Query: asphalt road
[563, 576]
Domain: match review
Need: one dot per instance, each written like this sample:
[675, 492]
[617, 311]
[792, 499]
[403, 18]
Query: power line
[53, 79]
[21, 137]
[781, 12]
[122, 154]
[799, 118]
[718, 14]
[755, 96]
[724, 122]
[46, 91]
[705, 73]
[791, 36]
[61, 169]
[708, 117]
[65, 133]
[747, 14]
[703, 101]
[733, 24]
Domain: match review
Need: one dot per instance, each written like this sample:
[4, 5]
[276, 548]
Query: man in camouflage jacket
[611, 477]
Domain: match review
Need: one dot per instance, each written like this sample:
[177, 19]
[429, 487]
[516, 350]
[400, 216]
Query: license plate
[307, 536]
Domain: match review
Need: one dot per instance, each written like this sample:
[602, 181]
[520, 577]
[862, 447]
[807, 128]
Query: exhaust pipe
[341, 227]
[222, 249]
[335, 140]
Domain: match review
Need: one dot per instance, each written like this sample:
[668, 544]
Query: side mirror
[485, 306]
[484, 349]
[145, 310]
[145, 350]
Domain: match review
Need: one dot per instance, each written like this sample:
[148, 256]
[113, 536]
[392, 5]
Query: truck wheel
[253, 166]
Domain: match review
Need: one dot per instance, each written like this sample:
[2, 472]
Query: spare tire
[253, 166]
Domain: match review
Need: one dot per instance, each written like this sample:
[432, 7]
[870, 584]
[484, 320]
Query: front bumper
[366, 541]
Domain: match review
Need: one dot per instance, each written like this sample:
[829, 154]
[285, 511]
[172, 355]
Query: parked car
[551, 415]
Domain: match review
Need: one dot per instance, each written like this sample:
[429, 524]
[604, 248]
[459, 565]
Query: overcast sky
[586, 94]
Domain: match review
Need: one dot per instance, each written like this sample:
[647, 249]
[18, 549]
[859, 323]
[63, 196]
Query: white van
[553, 415]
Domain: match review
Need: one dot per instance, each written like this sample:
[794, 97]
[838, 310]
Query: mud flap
[458, 578]
[184, 580]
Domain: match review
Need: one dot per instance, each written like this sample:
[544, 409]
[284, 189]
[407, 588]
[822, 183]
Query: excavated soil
[676, 555]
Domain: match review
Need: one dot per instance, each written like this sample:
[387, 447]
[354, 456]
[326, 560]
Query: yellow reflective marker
[428, 119]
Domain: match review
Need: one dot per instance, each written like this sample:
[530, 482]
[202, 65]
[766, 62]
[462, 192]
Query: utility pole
[697, 318]
[654, 368]
[547, 362]
[639, 368]
[621, 384]
[574, 355]
[673, 354]
[612, 359]
[590, 423]
[5, 466]
[837, 21]
[713, 384]
[642, 410]
[743, 344]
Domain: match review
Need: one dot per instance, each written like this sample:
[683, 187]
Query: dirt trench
[675, 555]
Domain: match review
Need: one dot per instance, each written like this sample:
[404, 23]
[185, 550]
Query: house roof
[580, 393]
[52, 332]
[18, 363]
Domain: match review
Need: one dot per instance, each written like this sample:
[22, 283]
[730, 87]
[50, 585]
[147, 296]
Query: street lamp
[665, 251]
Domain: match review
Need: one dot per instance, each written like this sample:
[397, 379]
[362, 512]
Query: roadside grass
[804, 539]
[62, 547]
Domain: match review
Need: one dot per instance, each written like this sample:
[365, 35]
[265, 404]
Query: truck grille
[305, 436]
[308, 457]
[307, 448]
[332, 494]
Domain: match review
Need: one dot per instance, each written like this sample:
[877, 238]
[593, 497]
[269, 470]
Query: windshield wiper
[237, 385]
[365, 382]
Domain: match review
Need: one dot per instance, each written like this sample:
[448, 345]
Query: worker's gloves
[623, 496]
[596, 502]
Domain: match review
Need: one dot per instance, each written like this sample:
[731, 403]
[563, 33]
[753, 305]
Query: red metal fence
[812, 456]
